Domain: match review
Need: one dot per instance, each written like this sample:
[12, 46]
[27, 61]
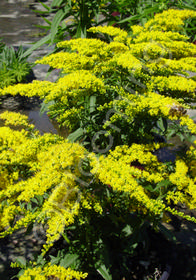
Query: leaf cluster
[14, 68]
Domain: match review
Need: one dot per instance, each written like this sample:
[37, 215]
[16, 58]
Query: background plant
[14, 67]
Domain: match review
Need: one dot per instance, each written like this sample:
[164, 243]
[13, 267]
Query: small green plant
[14, 68]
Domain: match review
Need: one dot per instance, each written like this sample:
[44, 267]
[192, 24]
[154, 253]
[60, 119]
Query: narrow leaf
[44, 5]
[92, 103]
[56, 21]
[76, 135]
[38, 44]
[45, 107]
[68, 260]
[56, 3]
[102, 270]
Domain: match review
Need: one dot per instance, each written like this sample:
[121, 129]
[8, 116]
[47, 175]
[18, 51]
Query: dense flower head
[159, 36]
[119, 170]
[87, 47]
[172, 20]
[155, 50]
[166, 67]
[69, 62]
[128, 169]
[51, 271]
[118, 34]
[15, 119]
[179, 87]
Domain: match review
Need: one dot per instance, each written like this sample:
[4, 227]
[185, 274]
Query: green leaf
[139, 16]
[47, 21]
[33, 199]
[162, 123]
[92, 103]
[43, 27]
[127, 230]
[68, 260]
[45, 107]
[164, 183]
[40, 12]
[29, 207]
[77, 134]
[44, 5]
[21, 261]
[56, 21]
[41, 260]
[191, 138]
[40, 199]
[56, 3]
[102, 270]
[55, 260]
[66, 238]
[38, 44]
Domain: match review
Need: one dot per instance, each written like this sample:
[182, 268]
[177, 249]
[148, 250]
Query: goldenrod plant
[123, 81]
[71, 19]
[118, 95]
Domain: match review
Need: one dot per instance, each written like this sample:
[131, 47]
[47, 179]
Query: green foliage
[14, 68]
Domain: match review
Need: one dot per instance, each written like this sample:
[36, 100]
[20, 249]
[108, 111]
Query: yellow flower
[50, 271]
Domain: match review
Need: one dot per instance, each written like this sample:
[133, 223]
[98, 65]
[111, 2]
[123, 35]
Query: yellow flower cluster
[74, 81]
[178, 87]
[69, 62]
[118, 34]
[51, 165]
[36, 88]
[119, 171]
[140, 70]
[179, 177]
[52, 272]
[170, 20]
[127, 60]
[159, 36]
[138, 79]
[152, 104]
[76, 85]
[85, 47]
[166, 67]
[180, 214]
[15, 119]
[171, 49]
[123, 168]
[191, 155]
